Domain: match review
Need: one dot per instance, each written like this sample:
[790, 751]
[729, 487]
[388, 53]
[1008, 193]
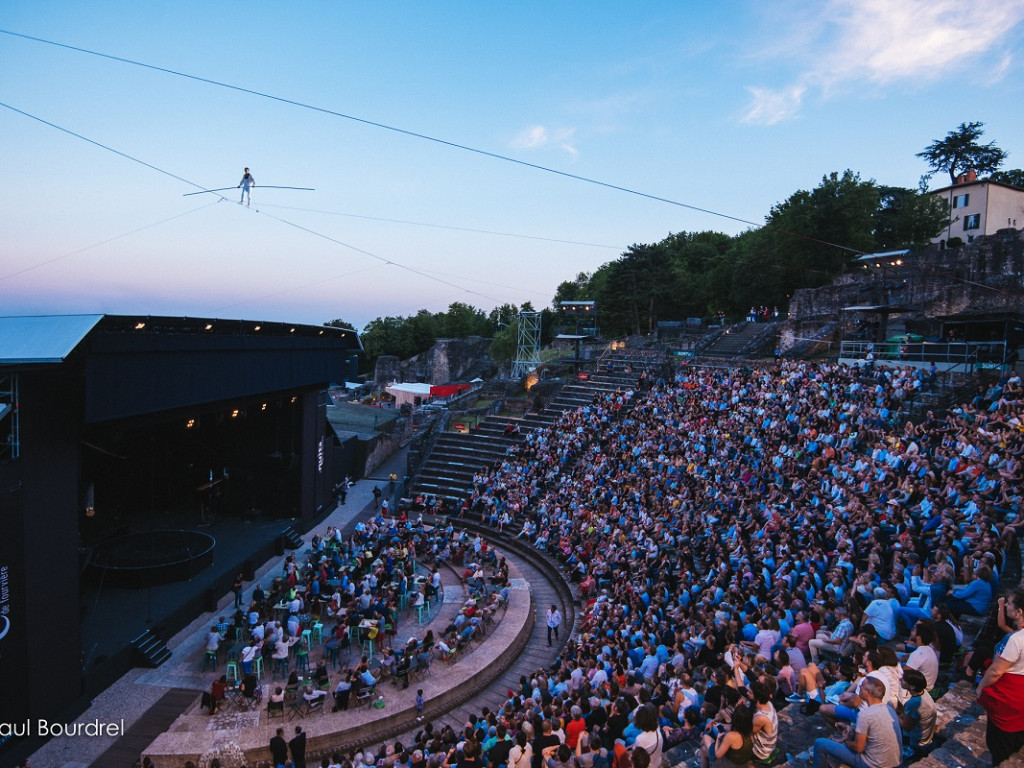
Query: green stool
[302, 661]
[257, 667]
[306, 637]
[209, 660]
[419, 613]
[232, 671]
[318, 633]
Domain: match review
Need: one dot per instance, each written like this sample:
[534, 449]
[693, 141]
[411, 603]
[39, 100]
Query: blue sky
[728, 106]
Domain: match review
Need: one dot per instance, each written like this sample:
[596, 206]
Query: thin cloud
[769, 107]
[855, 43]
[538, 137]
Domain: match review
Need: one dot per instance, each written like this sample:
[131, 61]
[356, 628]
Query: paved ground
[134, 694]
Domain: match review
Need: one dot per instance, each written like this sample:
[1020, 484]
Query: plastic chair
[302, 660]
[371, 635]
[232, 671]
[318, 633]
[257, 667]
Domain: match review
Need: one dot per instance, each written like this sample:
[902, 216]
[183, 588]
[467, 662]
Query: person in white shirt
[554, 621]
[924, 658]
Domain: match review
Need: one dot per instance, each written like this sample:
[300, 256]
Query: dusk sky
[729, 107]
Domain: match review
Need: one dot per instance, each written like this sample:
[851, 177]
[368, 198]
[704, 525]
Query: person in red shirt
[575, 727]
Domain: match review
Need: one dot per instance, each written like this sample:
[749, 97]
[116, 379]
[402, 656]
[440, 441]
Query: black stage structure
[128, 446]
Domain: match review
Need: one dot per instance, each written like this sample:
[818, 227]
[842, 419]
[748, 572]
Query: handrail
[952, 353]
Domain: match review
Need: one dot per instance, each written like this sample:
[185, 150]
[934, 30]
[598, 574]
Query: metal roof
[42, 338]
[882, 255]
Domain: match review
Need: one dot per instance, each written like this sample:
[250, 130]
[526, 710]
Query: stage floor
[113, 616]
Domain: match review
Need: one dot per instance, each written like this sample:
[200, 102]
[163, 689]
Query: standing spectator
[554, 621]
[877, 740]
[298, 748]
[376, 496]
[279, 748]
[237, 588]
[1001, 690]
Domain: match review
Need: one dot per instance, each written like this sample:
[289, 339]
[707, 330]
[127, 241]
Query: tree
[503, 347]
[339, 323]
[463, 320]
[573, 290]
[502, 317]
[960, 152]
[905, 218]
[1014, 178]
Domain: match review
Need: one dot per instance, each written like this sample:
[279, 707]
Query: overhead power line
[308, 230]
[442, 226]
[417, 135]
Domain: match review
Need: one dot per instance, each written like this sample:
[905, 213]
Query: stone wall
[447, 361]
[387, 370]
[984, 276]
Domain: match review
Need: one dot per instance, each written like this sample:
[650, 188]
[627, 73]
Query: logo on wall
[5, 602]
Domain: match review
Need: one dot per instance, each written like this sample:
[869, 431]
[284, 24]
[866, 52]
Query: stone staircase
[448, 471]
[731, 344]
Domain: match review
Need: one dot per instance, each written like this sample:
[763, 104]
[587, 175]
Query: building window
[972, 222]
[960, 201]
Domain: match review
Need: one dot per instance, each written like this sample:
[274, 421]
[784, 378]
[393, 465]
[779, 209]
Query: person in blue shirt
[974, 597]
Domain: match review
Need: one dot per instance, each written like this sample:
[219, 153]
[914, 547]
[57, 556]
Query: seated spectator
[918, 717]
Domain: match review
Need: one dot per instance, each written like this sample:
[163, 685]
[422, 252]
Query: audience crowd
[744, 539]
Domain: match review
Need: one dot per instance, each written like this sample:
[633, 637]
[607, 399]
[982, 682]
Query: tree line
[808, 240]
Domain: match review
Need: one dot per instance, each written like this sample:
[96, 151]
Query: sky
[729, 107]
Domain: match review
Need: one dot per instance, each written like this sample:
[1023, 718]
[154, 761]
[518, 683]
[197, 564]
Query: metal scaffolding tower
[528, 344]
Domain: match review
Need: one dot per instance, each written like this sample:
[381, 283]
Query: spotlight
[190, 423]
[139, 326]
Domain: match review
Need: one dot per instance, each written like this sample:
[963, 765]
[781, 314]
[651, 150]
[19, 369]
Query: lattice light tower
[527, 344]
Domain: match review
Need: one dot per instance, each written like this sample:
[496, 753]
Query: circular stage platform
[152, 558]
